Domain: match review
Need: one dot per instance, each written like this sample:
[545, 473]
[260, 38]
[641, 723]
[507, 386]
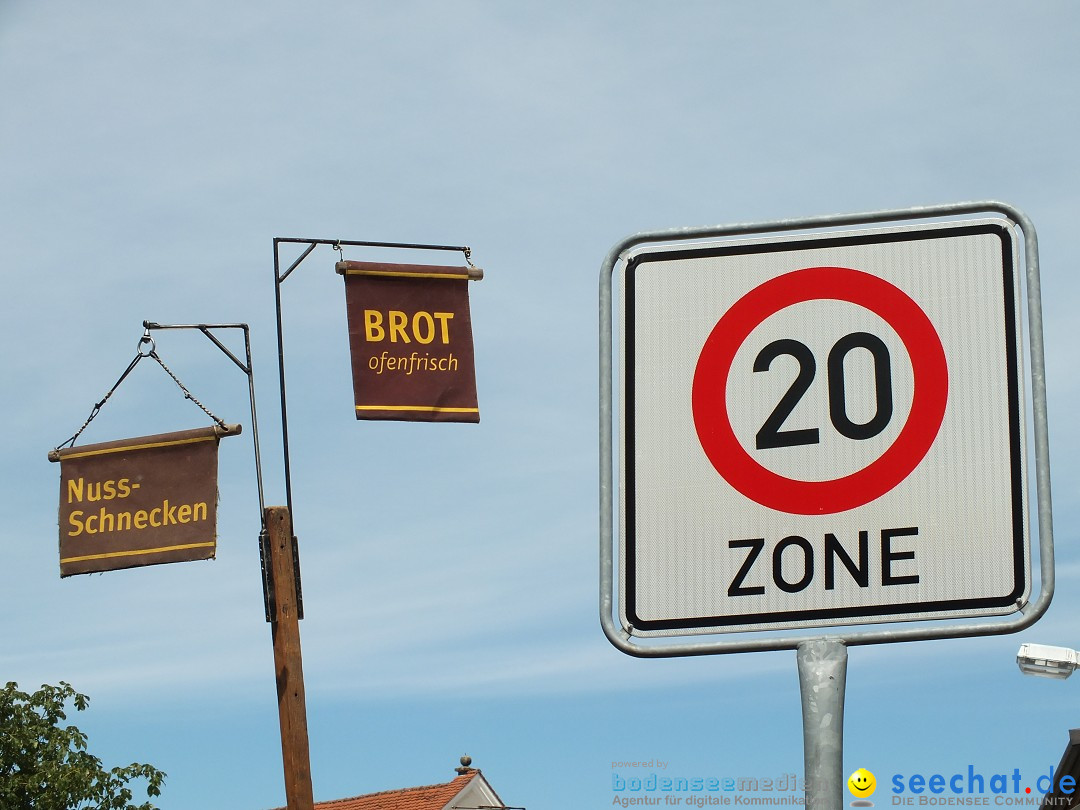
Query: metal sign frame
[783, 639]
[279, 279]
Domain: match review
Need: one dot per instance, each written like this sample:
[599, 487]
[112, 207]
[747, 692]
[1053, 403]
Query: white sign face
[823, 430]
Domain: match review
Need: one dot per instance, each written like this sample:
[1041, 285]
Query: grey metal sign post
[822, 438]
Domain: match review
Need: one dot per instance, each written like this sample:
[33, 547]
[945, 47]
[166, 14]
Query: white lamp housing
[1046, 661]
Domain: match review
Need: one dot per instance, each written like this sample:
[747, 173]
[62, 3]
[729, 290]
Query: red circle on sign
[763, 486]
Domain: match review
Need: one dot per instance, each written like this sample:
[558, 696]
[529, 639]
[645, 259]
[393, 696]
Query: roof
[1069, 766]
[428, 797]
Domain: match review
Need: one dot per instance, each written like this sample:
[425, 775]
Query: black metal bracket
[207, 329]
[245, 366]
[269, 594]
[279, 279]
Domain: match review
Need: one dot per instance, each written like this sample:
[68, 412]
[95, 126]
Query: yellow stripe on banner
[425, 409]
[136, 552]
[66, 456]
[407, 275]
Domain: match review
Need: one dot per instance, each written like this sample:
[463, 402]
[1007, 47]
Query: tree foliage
[44, 765]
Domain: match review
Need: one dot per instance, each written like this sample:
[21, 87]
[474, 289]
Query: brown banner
[411, 338]
[141, 501]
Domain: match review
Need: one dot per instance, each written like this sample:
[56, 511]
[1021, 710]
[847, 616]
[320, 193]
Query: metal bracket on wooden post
[296, 577]
[267, 578]
[280, 550]
[269, 595]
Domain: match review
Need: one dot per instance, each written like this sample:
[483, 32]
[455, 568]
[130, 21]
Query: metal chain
[97, 407]
[139, 355]
[187, 394]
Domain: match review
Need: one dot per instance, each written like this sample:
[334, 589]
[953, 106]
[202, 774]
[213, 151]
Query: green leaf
[46, 766]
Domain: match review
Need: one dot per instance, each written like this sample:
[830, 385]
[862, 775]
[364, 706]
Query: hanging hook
[337, 246]
[468, 254]
[146, 340]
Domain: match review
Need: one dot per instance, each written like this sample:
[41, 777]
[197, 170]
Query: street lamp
[1046, 661]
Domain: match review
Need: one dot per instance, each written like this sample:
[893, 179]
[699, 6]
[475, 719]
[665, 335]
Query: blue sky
[149, 154]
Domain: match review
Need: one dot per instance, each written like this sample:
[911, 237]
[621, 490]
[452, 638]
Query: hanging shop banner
[141, 501]
[411, 338]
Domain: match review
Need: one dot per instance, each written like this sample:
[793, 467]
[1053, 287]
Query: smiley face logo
[862, 783]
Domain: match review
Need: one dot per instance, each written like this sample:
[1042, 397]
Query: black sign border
[903, 611]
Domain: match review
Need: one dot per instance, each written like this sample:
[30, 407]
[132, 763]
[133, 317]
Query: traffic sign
[823, 429]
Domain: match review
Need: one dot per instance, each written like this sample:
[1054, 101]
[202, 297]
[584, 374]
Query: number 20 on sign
[823, 430]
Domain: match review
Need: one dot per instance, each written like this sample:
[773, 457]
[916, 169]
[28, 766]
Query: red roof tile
[429, 797]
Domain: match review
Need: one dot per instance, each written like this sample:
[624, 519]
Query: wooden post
[285, 628]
